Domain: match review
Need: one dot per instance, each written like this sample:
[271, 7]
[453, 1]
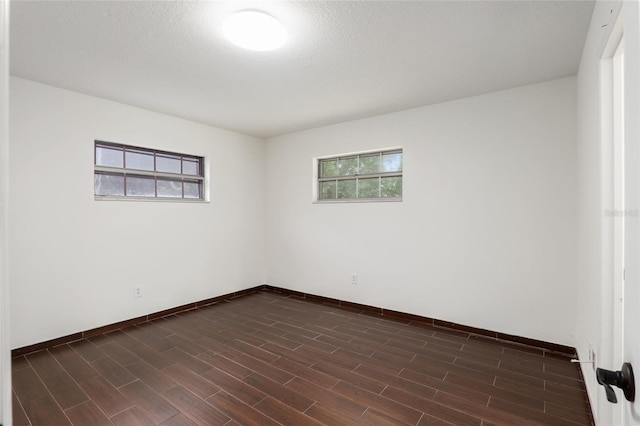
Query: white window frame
[318, 179]
[125, 172]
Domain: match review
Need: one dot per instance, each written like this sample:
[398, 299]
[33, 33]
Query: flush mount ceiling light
[254, 30]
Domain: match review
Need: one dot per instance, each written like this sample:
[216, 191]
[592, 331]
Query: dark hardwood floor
[267, 359]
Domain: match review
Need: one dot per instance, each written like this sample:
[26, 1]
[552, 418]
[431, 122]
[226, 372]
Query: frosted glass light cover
[254, 30]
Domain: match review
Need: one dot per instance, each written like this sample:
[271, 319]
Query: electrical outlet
[354, 279]
[137, 292]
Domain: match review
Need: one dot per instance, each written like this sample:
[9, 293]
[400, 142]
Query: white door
[631, 322]
[621, 120]
[619, 260]
[612, 93]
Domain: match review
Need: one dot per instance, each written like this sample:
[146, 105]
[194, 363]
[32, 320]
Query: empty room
[319, 212]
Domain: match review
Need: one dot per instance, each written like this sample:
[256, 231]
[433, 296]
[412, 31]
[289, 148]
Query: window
[123, 171]
[364, 176]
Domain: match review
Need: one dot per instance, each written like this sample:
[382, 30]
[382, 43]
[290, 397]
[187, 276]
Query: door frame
[5, 352]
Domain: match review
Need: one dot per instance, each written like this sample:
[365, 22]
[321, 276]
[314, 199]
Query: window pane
[328, 168]
[328, 190]
[192, 190]
[369, 164]
[108, 184]
[368, 188]
[347, 188]
[169, 188]
[141, 186]
[347, 166]
[167, 163]
[391, 187]
[139, 160]
[392, 162]
[108, 156]
[191, 167]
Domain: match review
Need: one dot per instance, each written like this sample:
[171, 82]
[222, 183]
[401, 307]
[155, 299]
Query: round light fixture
[254, 30]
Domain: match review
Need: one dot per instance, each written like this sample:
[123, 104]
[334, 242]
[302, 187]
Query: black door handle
[622, 379]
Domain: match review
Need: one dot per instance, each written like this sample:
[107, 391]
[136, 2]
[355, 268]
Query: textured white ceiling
[343, 60]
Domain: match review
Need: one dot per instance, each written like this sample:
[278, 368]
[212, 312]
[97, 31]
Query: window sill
[150, 199]
[359, 200]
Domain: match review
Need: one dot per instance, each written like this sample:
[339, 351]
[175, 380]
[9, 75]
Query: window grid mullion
[357, 179]
[367, 176]
[155, 177]
[172, 176]
[182, 173]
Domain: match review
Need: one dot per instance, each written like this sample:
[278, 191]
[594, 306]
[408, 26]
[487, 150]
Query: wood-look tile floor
[267, 359]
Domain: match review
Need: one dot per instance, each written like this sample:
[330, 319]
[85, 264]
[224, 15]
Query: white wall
[485, 235]
[75, 260]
